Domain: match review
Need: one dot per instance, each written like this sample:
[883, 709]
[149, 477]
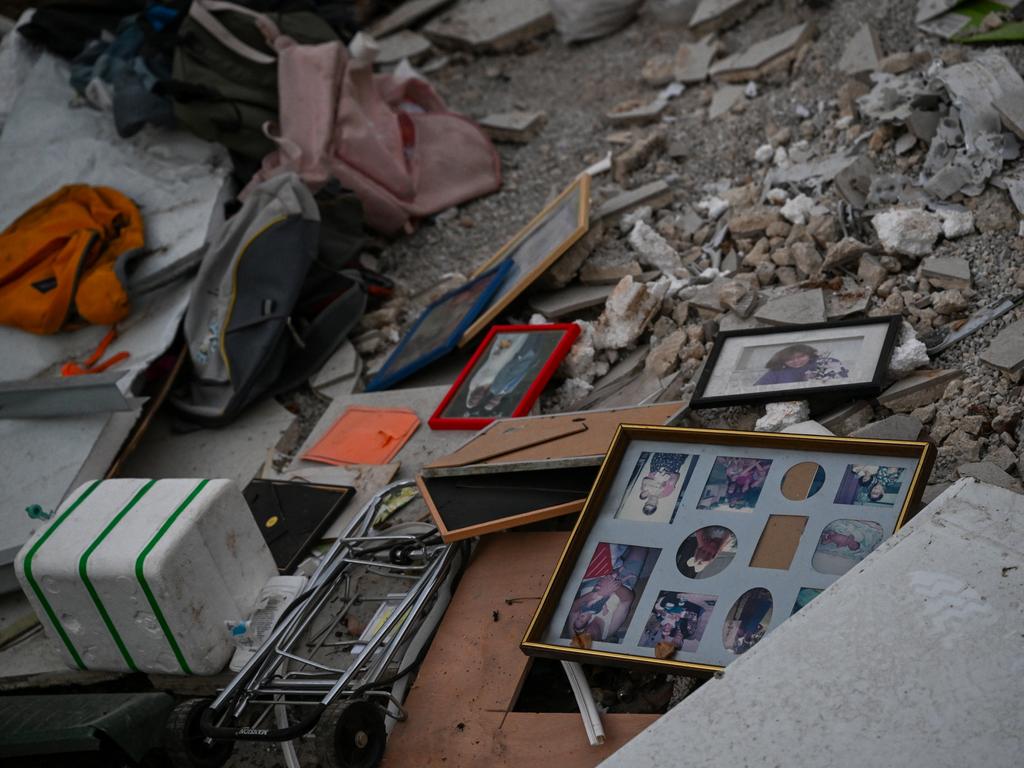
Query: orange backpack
[61, 262]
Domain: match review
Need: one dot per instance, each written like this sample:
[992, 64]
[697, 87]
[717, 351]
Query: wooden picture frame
[748, 366]
[548, 345]
[657, 616]
[536, 247]
[407, 358]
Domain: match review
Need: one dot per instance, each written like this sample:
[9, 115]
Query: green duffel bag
[224, 85]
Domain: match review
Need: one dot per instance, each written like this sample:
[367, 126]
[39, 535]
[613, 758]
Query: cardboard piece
[460, 703]
[584, 435]
[365, 436]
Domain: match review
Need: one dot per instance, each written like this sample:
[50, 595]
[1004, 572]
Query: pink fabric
[390, 140]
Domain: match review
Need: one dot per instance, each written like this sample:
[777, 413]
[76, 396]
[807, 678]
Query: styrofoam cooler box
[144, 574]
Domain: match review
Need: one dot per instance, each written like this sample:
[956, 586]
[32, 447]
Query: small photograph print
[747, 620]
[797, 363]
[734, 484]
[656, 486]
[869, 485]
[679, 618]
[844, 543]
[804, 596]
[609, 591]
[503, 374]
[706, 552]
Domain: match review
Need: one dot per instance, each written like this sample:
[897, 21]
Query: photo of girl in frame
[870, 485]
[802, 362]
[609, 590]
[655, 487]
[734, 484]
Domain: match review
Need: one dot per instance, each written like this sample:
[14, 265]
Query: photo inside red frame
[506, 375]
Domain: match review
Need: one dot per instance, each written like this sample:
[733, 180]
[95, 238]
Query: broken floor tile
[724, 99]
[636, 111]
[514, 127]
[491, 25]
[710, 15]
[918, 389]
[403, 45]
[862, 52]
[896, 427]
[1006, 352]
[765, 56]
[637, 155]
[406, 15]
[946, 271]
[976, 86]
[909, 231]
[839, 306]
[656, 194]
[570, 300]
[693, 60]
[987, 472]
[795, 309]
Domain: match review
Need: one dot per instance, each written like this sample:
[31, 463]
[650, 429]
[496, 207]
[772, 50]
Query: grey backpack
[265, 313]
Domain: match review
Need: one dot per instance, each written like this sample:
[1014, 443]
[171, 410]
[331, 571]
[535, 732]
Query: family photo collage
[697, 550]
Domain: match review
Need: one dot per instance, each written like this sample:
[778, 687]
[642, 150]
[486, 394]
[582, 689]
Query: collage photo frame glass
[695, 543]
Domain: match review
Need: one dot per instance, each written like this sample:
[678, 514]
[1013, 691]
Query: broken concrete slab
[909, 231]
[989, 473]
[839, 306]
[849, 418]
[653, 250]
[637, 155]
[862, 53]
[693, 60]
[724, 99]
[403, 45]
[959, 568]
[629, 309]
[570, 300]
[809, 427]
[975, 87]
[947, 271]
[896, 427]
[1006, 352]
[920, 388]
[795, 309]
[763, 57]
[514, 127]
[237, 451]
[710, 15]
[491, 25]
[656, 194]
[406, 15]
[600, 271]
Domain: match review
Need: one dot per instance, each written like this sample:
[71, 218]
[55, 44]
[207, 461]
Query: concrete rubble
[751, 166]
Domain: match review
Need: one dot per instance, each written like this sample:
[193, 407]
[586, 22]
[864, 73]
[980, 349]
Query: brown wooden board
[557, 436]
[458, 707]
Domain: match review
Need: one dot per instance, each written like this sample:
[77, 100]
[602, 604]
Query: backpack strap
[201, 11]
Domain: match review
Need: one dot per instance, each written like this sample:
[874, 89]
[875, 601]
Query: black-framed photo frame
[849, 358]
[695, 543]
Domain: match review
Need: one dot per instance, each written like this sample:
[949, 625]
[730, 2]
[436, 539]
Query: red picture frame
[547, 365]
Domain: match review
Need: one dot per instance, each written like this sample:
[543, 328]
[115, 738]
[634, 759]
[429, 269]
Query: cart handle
[243, 733]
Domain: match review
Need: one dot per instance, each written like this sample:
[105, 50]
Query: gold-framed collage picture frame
[694, 543]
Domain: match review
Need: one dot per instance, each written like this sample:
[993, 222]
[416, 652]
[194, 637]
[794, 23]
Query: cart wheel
[351, 734]
[186, 745]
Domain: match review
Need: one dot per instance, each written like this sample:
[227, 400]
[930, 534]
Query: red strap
[90, 364]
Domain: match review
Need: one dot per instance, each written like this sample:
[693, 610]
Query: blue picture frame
[399, 366]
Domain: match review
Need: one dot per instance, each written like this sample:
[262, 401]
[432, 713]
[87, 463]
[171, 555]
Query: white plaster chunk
[778, 416]
[909, 231]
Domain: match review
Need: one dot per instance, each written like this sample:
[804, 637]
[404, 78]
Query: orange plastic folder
[365, 436]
